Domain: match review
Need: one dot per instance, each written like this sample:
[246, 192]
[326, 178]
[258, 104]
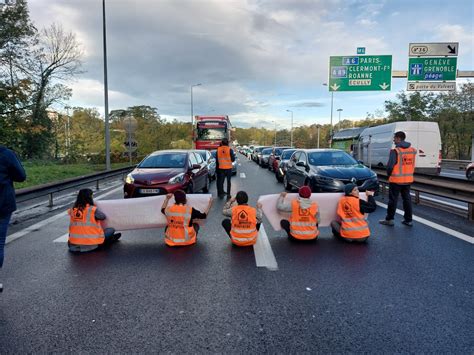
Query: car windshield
[267, 151]
[166, 160]
[330, 158]
[287, 153]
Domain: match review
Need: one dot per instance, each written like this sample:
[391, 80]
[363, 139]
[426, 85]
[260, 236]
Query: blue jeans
[4, 220]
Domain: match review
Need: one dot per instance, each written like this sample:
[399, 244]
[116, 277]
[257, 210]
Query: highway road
[406, 290]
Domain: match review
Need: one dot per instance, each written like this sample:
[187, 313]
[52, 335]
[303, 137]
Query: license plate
[150, 191]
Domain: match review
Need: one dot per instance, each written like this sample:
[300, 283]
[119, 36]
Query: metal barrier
[441, 186]
[49, 189]
[454, 164]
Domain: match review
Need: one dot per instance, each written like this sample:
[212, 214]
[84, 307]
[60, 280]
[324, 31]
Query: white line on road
[264, 256]
[242, 175]
[37, 226]
[437, 226]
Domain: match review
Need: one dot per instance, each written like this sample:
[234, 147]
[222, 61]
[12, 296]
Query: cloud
[308, 104]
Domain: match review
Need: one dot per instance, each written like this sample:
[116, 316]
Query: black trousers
[393, 192]
[227, 224]
[222, 174]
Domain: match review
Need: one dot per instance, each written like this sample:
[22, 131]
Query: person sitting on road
[85, 230]
[350, 210]
[304, 219]
[244, 222]
[181, 229]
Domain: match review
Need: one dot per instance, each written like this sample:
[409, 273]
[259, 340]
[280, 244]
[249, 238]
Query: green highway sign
[360, 73]
[432, 69]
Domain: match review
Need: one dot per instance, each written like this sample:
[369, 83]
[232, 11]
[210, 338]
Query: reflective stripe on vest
[403, 170]
[244, 225]
[353, 223]
[303, 222]
[84, 229]
[179, 232]
[224, 158]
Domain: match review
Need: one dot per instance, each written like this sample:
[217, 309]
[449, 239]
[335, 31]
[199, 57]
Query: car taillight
[440, 157]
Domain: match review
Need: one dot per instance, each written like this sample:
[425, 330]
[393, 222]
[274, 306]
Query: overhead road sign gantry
[360, 73]
[433, 49]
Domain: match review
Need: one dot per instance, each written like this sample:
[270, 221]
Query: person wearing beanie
[352, 224]
[244, 223]
[181, 228]
[304, 219]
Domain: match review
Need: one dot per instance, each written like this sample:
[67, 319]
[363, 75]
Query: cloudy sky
[255, 58]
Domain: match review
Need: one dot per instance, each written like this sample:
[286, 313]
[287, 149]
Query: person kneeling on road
[244, 224]
[181, 229]
[351, 210]
[304, 219]
[85, 230]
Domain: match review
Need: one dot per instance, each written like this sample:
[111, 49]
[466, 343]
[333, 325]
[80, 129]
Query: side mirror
[196, 166]
[302, 164]
[360, 162]
[277, 158]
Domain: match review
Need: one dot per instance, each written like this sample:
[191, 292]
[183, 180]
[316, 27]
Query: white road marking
[49, 220]
[264, 256]
[242, 175]
[465, 237]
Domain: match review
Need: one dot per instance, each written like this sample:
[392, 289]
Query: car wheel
[286, 184]
[206, 188]
[470, 175]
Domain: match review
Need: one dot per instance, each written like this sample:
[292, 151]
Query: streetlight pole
[291, 132]
[192, 108]
[332, 104]
[339, 125]
[106, 93]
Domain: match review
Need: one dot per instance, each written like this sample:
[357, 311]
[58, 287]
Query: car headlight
[176, 179]
[129, 179]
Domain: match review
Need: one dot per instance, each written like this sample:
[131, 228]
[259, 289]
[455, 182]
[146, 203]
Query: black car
[280, 169]
[327, 170]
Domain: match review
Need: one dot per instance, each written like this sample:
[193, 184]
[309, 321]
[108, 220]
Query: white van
[374, 144]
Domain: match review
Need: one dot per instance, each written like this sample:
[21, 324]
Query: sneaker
[387, 222]
[408, 223]
[116, 236]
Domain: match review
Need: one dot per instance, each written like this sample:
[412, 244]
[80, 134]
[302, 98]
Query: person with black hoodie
[10, 170]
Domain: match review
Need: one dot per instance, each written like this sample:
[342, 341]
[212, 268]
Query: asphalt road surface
[406, 290]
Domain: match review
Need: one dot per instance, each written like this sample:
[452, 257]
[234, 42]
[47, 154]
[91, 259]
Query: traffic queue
[243, 221]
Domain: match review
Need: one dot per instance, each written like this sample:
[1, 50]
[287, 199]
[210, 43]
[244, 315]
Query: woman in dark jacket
[10, 170]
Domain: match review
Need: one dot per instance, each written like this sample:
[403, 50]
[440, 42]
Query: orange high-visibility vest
[223, 157]
[403, 170]
[84, 229]
[303, 222]
[353, 223]
[244, 225]
[179, 232]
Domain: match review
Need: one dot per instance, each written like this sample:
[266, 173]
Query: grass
[42, 172]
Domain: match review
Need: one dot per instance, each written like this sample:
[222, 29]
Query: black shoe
[116, 236]
[408, 223]
[1, 288]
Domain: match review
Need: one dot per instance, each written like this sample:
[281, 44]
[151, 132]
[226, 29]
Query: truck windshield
[211, 133]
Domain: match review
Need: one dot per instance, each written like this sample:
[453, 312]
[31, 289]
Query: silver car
[210, 161]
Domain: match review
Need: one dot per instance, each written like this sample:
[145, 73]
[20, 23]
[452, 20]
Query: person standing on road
[181, 229]
[10, 170]
[225, 157]
[85, 230]
[353, 225]
[304, 219]
[400, 169]
[244, 223]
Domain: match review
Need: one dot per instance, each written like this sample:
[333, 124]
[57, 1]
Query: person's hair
[400, 135]
[225, 141]
[241, 197]
[84, 198]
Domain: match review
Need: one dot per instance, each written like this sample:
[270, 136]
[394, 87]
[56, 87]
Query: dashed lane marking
[49, 220]
[242, 175]
[437, 226]
[264, 256]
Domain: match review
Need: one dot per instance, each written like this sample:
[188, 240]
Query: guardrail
[454, 164]
[438, 186]
[49, 189]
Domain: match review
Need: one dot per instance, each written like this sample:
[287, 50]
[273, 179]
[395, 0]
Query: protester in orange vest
[353, 225]
[244, 222]
[304, 219]
[400, 169]
[85, 230]
[225, 156]
[181, 229]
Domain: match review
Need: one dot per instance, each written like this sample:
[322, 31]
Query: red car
[274, 157]
[164, 172]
